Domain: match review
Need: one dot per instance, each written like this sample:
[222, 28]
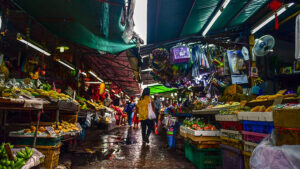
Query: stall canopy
[160, 89]
[171, 19]
[95, 24]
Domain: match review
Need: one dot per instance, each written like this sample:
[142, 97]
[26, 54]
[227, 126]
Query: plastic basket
[253, 137]
[231, 125]
[247, 156]
[170, 140]
[232, 142]
[249, 146]
[231, 134]
[207, 158]
[51, 155]
[232, 158]
[258, 126]
[287, 136]
[40, 141]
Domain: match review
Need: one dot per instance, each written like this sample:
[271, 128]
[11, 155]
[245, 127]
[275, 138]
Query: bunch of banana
[18, 162]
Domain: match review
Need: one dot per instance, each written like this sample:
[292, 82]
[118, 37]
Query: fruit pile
[235, 110]
[280, 93]
[197, 124]
[63, 128]
[50, 94]
[262, 109]
[18, 162]
[228, 104]
[96, 106]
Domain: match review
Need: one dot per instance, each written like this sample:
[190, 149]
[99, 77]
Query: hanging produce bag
[180, 54]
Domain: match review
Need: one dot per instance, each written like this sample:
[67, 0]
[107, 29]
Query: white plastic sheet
[268, 156]
[33, 161]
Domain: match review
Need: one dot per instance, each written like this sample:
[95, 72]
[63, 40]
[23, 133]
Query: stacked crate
[202, 147]
[231, 137]
[256, 126]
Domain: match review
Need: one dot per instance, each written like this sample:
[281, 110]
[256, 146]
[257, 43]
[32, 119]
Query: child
[135, 120]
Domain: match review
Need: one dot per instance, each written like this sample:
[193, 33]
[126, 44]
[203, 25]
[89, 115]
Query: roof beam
[239, 13]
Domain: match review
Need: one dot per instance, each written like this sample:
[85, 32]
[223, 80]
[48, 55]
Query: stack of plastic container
[231, 137]
[256, 126]
[201, 144]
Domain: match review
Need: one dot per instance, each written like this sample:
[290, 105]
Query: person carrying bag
[145, 109]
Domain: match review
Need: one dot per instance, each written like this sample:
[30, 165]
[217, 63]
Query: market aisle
[123, 148]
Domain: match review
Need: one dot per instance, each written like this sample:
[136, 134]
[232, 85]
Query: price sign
[50, 130]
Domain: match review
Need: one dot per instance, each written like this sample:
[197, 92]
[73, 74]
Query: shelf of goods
[213, 111]
[241, 132]
[20, 105]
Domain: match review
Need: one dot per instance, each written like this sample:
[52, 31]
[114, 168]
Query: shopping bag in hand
[151, 113]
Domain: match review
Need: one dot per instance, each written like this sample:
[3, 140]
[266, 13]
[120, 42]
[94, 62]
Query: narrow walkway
[123, 148]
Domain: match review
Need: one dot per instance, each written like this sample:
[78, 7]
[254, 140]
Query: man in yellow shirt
[142, 110]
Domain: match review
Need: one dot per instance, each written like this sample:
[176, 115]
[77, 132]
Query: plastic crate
[287, 136]
[249, 146]
[231, 125]
[207, 158]
[40, 141]
[51, 155]
[247, 156]
[258, 126]
[232, 142]
[253, 137]
[231, 134]
[188, 150]
[232, 157]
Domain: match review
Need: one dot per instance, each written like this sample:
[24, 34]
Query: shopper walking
[129, 107]
[145, 109]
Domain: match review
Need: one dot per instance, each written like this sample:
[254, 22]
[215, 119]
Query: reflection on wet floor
[123, 148]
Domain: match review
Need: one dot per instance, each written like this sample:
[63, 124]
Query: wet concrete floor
[123, 148]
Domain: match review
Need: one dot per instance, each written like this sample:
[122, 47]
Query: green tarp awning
[94, 24]
[160, 89]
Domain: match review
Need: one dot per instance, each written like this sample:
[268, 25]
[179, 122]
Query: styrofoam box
[189, 130]
[183, 129]
[249, 146]
[214, 133]
[232, 134]
[256, 116]
[226, 117]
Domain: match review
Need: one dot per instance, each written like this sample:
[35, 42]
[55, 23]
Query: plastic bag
[268, 156]
[88, 120]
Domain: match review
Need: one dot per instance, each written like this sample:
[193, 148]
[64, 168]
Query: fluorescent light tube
[35, 47]
[83, 73]
[224, 5]
[147, 70]
[270, 18]
[93, 82]
[65, 64]
[93, 74]
[117, 95]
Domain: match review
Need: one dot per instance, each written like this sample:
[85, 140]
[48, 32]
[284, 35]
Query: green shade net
[160, 89]
[90, 23]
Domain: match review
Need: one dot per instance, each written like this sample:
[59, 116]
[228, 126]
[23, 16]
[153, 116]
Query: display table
[29, 105]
